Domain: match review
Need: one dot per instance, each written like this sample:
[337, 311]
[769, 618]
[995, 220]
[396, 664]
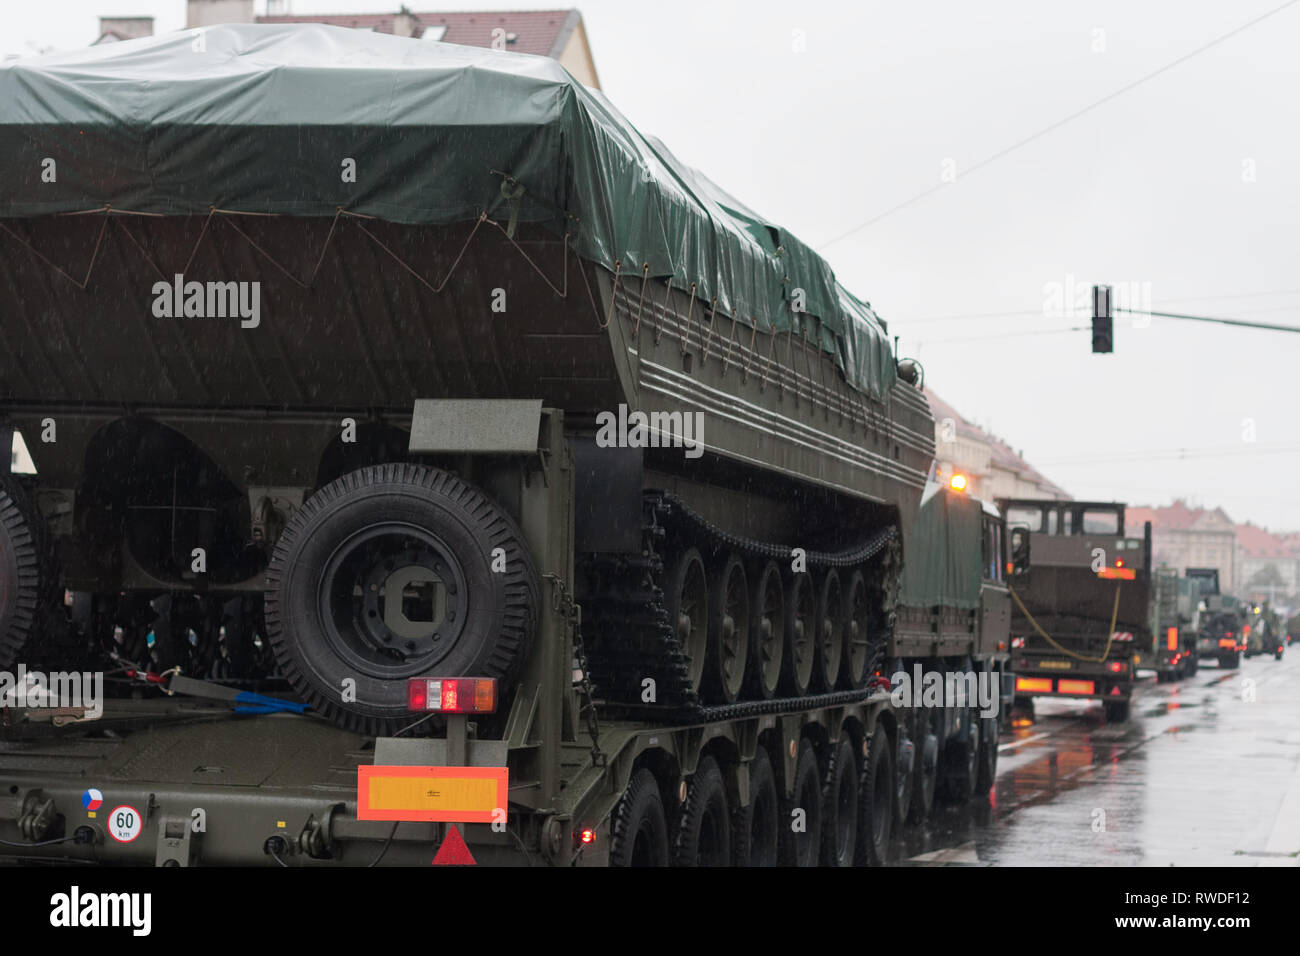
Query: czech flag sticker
[92, 799]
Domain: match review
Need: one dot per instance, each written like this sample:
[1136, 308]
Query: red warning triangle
[453, 851]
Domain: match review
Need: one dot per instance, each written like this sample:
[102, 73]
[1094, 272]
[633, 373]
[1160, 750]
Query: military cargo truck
[1175, 620]
[1081, 600]
[1221, 633]
[409, 385]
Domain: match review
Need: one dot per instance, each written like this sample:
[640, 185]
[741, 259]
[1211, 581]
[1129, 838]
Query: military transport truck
[1174, 624]
[1220, 635]
[1081, 600]
[422, 451]
[1263, 631]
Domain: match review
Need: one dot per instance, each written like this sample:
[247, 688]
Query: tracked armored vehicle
[373, 367]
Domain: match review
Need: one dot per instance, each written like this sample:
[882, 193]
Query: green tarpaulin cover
[262, 118]
[943, 566]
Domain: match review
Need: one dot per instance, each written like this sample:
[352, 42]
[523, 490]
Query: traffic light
[1102, 331]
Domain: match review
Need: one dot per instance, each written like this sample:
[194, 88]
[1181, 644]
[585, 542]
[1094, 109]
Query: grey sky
[1146, 192]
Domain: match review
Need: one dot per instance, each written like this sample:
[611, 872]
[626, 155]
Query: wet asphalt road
[1201, 774]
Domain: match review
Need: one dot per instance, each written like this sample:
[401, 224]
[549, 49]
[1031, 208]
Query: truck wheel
[801, 824]
[704, 833]
[905, 774]
[961, 765]
[840, 806]
[830, 629]
[927, 776]
[686, 590]
[728, 650]
[875, 801]
[987, 773]
[800, 632]
[1116, 711]
[756, 829]
[1193, 663]
[388, 573]
[857, 645]
[1230, 661]
[640, 829]
[766, 631]
[25, 571]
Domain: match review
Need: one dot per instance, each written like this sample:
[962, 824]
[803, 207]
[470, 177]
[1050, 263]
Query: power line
[1061, 122]
[1242, 323]
[1041, 313]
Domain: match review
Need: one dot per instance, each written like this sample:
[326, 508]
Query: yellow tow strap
[1047, 637]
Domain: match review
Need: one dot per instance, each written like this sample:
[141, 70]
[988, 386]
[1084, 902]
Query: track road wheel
[756, 829]
[857, 646]
[766, 631]
[724, 674]
[800, 630]
[25, 571]
[686, 591]
[990, 731]
[1116, 711]
[840, 806]
[830, 630]
[704, 832]
[801, 823]
[926, 780]
[640, 828]
[876, 801]
[386, 574]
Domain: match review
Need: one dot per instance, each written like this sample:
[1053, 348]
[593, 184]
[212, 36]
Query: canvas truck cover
[944, 564]
[260, 119]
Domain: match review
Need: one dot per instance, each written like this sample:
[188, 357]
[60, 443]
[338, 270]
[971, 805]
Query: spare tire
[391, 572]
[25, 577]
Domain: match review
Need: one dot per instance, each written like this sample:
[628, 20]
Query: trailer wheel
[875, 801]
[857, 619]
[1230, 661]
[686, 589]
[1193, 662]
[801, 826]
[830, 629]
[1116, 711]
[990, 731]
[927, 775]
[840, 806]
[390, 572]
[905, 761]
[25, 570]
[766, 631]
[704, 832]
[728, 647]
[756, 829]
[961, 764]
[800, 631]
[640, 827]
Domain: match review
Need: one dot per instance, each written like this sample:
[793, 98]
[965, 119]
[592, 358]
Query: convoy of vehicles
[1082, 589]
[498, 514]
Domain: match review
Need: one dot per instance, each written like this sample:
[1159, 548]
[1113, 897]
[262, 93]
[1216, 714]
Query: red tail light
[1115, 667]
[1034, 685]
[452, 695]
[1075, 686]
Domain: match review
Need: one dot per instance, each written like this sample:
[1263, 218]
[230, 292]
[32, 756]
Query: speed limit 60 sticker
[124, 824]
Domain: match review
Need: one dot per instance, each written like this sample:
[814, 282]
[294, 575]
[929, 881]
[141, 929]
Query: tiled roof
[541, 32]
[1259, 543]
[1000, 453]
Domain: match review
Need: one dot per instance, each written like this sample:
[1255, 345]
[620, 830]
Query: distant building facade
[1183, 537]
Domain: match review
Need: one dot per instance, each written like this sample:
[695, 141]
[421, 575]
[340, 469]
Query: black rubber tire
[494, 633]
[686, 587]
[1116, 711]
[1193, 663]
[840, 805]
[800, 657]
[26, 572]
[1230, 661]
[728, 653]
[639, 832]
[990, 730]
[756, 829]
[704, 829]
[925, 786]
[904, 775]
[876, 797]
[829, 631]
[803, 848]
[766, 631]
[960, 766]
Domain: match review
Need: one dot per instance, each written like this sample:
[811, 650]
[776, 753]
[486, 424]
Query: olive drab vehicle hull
[564, 416]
